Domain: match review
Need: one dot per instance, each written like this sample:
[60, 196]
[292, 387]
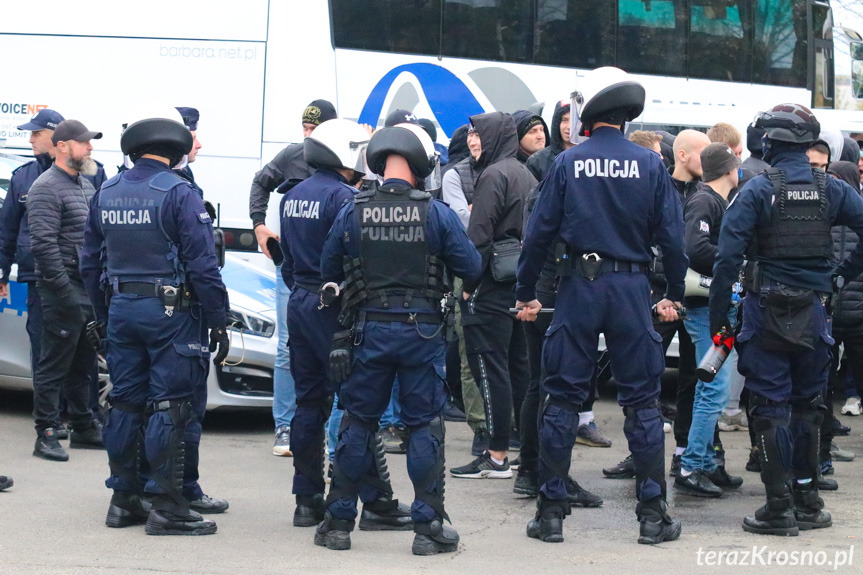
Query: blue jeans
[710, 398]
[284, 396]
[393, 415]
[333, 425]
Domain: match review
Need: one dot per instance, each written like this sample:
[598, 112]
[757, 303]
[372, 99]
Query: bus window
[717, 43]
[575, 33]
[779, 53]
[387, 25]
[496, 30]
[857, 69]
[651, 36]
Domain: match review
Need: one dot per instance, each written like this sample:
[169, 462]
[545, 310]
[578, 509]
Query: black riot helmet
[160, 132]
[406, 140]
[790, 123]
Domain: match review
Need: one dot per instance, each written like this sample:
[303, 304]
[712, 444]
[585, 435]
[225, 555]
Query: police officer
[609, 200]
[781, 220]
[308, 210]
[148, 248]
[191, 117]
[391, 246]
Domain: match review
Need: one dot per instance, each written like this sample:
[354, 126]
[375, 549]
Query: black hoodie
[541, 161]
[848, 303]
[502, 187]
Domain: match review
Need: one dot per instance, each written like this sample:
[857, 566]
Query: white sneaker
[733, 422]
[852, 406]
[666, 427]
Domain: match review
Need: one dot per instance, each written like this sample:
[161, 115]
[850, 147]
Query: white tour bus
[251, 67]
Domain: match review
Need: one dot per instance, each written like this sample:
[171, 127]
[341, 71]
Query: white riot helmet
[606, 92]
[156, 130]
[337, 144]
[414, 144]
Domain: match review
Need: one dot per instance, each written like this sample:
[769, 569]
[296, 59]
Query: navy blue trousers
[617, 305]
[388, 350]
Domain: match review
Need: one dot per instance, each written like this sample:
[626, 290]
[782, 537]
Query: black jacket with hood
[541, 161]
[848, 303]
[502, 187]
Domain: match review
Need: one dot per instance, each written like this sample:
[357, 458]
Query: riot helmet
[605, 94]
[337, 144]
[412, 143]
[158, 131]
[791, 123]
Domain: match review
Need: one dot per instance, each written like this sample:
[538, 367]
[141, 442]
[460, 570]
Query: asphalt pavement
[52, 519]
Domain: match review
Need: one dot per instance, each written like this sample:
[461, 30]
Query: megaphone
[696, 284]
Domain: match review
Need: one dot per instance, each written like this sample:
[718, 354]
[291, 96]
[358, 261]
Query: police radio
[711, 363]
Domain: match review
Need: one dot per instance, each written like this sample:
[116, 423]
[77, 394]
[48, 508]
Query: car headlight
[249, 322]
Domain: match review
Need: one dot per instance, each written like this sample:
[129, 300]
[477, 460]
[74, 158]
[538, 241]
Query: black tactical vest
[465, 174]
[393, 247]
[799, 220]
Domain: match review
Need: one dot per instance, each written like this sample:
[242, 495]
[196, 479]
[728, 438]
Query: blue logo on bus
[450, 100]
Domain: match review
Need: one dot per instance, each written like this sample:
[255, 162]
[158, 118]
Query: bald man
[687, 159]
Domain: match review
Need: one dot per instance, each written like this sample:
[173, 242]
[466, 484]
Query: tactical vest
[799, 220]
[136, 246]
[395, 270]
[465, 174]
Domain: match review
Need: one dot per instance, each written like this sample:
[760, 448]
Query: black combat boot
[127, 509]
[655, 526]
[334, 534]
[310, 510]
[776, 517]
[385, 515]
[161, 522]
[809, 508]
[547, 524]
[433, 538]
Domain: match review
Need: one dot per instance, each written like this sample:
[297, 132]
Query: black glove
[97, 333]
[219, 339]
[341, 357]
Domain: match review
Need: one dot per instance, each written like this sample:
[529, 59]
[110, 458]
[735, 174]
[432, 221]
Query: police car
[247, 378]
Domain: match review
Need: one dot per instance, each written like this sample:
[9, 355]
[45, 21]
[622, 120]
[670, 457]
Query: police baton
[515, 310]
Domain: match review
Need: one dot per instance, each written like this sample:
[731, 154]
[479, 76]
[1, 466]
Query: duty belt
[308, 286]
[144, 289]
[403, 317]
[591, 266]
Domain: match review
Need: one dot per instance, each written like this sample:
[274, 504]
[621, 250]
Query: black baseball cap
[44, 120]
[401, 117]
[73, 130]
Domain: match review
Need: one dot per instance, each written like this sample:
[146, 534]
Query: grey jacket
[57, 208]
[289, 164]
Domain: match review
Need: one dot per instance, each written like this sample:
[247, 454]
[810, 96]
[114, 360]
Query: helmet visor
[433, 181]
[576, 101]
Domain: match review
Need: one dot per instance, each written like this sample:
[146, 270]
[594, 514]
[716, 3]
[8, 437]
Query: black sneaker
[5, 482]
[433, 538]
[675, 465]
[483, 467]
[282, 443]
[386, 515]
[47, 446]
[480, 442]
[451, 412]
[526, 483]
[754, 463]
[207, 504]
[62, 431]
[394, 439]
[310, 510]
[126, 509]
[167, 523]
[623, 470]
[579, 496]
[839, 429]
[334, 534]
[696, 483]
[89, 438]
[721, 478]
[514, 441]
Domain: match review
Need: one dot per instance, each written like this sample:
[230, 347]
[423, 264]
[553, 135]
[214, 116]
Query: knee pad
[770, 420]
[430, 487]
[357, 441]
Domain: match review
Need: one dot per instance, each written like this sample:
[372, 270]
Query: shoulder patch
[704, 226]
[204, 217]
